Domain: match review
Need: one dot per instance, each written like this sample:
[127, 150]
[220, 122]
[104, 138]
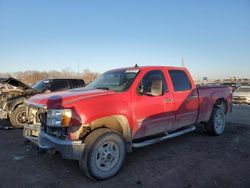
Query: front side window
[153, 83]
[117, 80]
[180, 80]
[77, 83]
[41, 85]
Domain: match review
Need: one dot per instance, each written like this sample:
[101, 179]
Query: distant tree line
[32, 76]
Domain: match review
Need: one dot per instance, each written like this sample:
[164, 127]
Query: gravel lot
[192, 160]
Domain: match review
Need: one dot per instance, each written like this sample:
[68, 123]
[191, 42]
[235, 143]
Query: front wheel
[18, 117]
[217, 122]
[104, 154]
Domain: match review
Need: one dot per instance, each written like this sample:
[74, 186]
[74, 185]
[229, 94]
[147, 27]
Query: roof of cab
[63, 79]
[148, 67]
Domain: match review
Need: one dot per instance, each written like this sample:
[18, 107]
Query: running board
[165, 137]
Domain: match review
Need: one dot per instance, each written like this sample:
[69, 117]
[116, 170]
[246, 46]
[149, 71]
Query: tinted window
[81, 83]
[77, 83]
[59, 85]
[150, 77]
[41, 85]
[180, 80]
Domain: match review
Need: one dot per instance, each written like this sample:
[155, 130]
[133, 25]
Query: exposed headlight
[59, 118]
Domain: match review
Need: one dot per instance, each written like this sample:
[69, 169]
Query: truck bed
[208, 95]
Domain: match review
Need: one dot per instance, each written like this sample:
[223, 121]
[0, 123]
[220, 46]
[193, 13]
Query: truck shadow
[159, 163]
[4, 124]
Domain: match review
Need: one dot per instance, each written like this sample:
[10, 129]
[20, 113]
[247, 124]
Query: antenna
[136, 65]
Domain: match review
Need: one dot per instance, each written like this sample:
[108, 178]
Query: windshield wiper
[105, 88]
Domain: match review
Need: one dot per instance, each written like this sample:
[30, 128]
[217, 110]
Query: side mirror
[140, 90]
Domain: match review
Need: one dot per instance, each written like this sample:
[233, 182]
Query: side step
[165, 137]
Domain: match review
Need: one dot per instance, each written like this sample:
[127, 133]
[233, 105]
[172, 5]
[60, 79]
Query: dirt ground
[193, 160]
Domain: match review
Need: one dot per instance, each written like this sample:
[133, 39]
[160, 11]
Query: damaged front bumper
[31, 132]
[67, 148]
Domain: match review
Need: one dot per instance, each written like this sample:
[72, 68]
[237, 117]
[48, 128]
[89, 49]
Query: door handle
[193, 96]
[168, 100]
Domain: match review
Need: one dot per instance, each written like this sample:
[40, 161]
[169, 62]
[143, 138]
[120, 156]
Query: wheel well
[15, 105]
[222, 104]
[118, 123]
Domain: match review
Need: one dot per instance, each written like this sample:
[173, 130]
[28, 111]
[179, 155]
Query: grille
[42, 117]
[57, 132]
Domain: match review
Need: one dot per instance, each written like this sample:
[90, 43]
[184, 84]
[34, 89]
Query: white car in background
[242, 95]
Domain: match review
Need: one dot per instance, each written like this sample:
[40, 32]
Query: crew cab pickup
[124, 109]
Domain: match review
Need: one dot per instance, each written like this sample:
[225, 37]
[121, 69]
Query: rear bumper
[68, 149]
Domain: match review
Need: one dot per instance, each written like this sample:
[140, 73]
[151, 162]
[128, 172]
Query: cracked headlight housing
[59, 117]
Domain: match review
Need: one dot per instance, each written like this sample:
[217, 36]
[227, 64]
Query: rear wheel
[104, 154]
[217, 122]
[18, 117]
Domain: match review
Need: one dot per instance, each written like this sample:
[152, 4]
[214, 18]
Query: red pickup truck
[124, 109]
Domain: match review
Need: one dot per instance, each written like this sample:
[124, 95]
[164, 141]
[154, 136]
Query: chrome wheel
[104, 154]
[219, 123]
[21, 118]
[107, 156]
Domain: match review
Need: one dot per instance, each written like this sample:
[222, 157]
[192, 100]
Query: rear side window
[77, 83]
[59, 85]
[180, 80]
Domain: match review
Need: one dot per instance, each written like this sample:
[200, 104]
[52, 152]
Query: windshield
[118, 80]
[242, 89]
[40, 85]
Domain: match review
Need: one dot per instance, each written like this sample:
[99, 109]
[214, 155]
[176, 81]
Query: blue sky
[212, 36]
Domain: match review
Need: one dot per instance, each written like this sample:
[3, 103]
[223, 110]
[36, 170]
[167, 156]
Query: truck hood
[65, 98]
[17, 83]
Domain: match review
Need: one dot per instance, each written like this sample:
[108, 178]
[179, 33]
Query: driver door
[153, 105]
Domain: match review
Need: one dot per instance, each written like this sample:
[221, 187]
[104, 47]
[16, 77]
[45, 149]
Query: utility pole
[182, 62]
[78, 67]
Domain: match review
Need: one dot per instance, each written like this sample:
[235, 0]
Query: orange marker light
[66, 117]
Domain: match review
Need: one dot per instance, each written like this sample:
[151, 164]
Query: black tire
[18, 117]
[217, 122]
[95, 142]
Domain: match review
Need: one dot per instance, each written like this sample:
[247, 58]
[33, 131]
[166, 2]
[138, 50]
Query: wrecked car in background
[13, 94]
[242, 95]
[233, 85]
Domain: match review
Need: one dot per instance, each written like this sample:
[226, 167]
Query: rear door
[151, 113]
[185, 98]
